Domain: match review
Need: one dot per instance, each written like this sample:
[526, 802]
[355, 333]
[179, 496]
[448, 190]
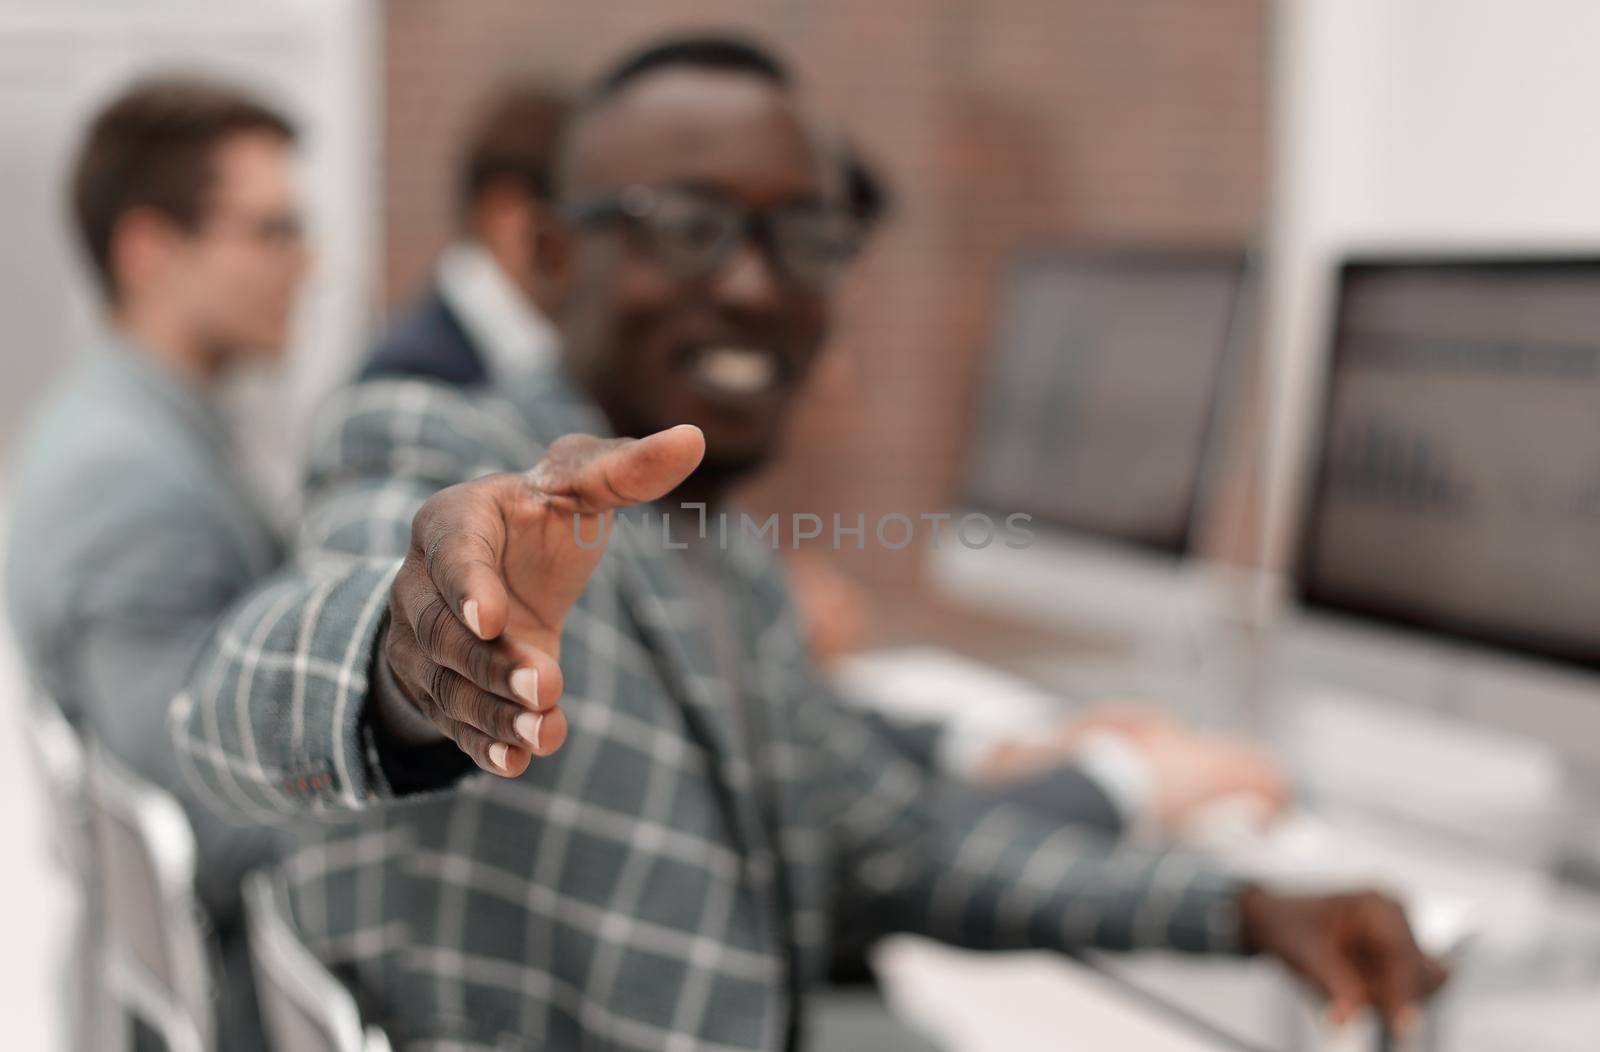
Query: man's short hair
[153, 147]
[515, 141]
[723, 53]
[866, 194]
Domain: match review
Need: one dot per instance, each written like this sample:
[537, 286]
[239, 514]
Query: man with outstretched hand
[601, 798]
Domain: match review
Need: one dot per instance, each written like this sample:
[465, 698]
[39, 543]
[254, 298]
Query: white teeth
[736, 370]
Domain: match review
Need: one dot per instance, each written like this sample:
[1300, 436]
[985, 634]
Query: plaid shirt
[665, 881]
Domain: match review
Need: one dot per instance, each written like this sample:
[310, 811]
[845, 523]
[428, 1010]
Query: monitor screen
[1100, 391]
[1457, 478]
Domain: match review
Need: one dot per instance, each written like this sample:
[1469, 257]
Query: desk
[1529, 981]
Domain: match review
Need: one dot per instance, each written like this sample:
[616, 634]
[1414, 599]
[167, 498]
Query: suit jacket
[428, 342]
[130, 534]
[657, 883]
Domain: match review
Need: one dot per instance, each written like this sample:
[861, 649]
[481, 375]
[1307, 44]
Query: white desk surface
[1529, 979]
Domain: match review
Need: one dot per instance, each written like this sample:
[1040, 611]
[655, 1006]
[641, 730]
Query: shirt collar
[511, 333]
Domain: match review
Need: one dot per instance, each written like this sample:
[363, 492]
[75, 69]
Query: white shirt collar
[511, 333]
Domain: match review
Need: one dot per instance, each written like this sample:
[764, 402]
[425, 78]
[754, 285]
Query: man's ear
[502, 222]
[143, 243]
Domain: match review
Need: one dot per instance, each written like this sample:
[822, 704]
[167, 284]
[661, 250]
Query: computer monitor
[1450, 548]
[1104, 386]
[1100, 392]
[1457, 484]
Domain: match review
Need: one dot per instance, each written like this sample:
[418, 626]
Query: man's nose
[748, 282]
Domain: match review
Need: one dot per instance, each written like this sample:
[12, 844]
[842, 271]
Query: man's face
[728, 350]
[238, 272]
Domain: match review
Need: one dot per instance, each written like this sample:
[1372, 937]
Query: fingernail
[469, 613]
[497, 754]
[527, 727]
[1405, 1021]
[525, 685]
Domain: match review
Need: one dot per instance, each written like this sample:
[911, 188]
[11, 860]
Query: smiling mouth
[736, 373]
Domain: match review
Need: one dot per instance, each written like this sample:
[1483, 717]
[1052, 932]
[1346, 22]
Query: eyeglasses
[284, 230]
[694, 233]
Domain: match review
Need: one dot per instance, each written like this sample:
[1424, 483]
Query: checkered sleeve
[925, 854]
[272, 723]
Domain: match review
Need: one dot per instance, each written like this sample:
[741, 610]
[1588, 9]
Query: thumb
[459, 534]
[601, 476]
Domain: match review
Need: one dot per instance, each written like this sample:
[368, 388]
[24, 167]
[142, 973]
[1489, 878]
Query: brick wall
[1000, 124]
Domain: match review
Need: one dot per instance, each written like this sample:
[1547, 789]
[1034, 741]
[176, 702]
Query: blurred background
[1213, 164]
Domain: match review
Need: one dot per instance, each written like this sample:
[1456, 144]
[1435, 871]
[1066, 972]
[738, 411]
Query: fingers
[1434, 975]
[1356, 949]
[1310, 936]
[602, 475]
[1253, 770]
[500, 735]
[447, 641]
[501, 720]
[1137, 719]
[1333, 976]
[494, 757]
[509, 761]
[459, 535]
[1397, 974]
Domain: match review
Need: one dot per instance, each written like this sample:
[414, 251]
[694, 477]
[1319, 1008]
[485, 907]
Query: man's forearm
[1007, 878]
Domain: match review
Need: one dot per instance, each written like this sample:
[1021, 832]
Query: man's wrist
[1120, 771]
[1254, 903]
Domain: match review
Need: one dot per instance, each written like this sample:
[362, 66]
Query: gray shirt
[130, 534]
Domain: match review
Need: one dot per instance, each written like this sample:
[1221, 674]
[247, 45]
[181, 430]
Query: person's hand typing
[1186, 769]
[1356, 949]
[475, 613]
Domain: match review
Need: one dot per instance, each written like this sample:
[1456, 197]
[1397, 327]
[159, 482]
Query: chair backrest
[57, 754]
[155, 936]
[304, 1006]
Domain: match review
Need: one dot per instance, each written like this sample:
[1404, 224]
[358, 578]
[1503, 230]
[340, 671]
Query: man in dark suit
[481, 320]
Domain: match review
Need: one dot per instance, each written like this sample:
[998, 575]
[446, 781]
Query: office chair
[304, 1007]
[57, 755]
[155, 948]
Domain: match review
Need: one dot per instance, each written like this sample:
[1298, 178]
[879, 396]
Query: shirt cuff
[1121, 771]
[1108, 760]
[966, 741]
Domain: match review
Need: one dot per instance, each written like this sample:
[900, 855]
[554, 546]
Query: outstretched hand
[495, 564]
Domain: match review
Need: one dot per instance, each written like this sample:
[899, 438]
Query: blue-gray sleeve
[926, 854]
[132, 629]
